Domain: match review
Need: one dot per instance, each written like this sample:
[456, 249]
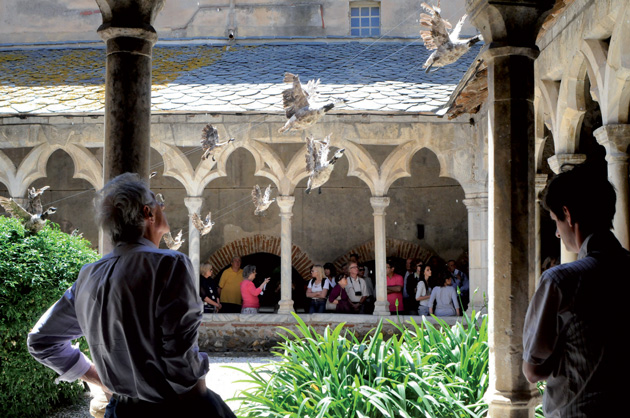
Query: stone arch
[33, 167]
[395, 248]
[261, 244]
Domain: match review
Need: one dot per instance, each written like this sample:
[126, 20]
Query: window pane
[365, 11]
[354, 32]
[376, 32]
[375, 21]
[375, 11]
[354, 11]
[365, 21]
[365, 32]
[355, 22]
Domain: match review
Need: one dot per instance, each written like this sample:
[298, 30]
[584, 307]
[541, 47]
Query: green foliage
[35, 270]
[423, 372]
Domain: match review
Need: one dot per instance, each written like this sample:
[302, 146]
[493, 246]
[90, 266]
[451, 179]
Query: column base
[286, 307]
[381, 309]
[513, 404]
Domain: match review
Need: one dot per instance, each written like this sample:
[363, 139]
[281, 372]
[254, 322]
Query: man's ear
[567, 215]
[146, 210]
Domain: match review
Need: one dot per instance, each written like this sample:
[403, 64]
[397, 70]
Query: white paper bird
[317, 164]
[210, 141]
[204, 226]
[76, 233]
[261, 201]
[448, 47]
[34, 205]
[32, 222]
[173, 244]
[299, 104]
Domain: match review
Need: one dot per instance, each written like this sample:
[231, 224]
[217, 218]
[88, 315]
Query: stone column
[509, 28]
[541, 182]
[379, 204]
[477, 205]
[129, 37]
[194, 203]
[558, 163]
[616, 140]
[285, 203]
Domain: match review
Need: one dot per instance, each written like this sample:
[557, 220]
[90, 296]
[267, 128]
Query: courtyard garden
[421, 371]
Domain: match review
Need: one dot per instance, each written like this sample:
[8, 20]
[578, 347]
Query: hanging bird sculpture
[173, 244]
[32, 222]
[204, 226]
[317, 164]
[299, 104]
[34, 205]
[210, 141]
[448, 47]
[262, 201]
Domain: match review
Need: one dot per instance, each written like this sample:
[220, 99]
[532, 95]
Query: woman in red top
[395, 283]
[250, 292]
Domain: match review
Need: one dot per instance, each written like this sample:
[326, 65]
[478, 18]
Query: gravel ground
[221, 380]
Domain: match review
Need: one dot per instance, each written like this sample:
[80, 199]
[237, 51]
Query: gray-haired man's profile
[571, 334]
[140, 313]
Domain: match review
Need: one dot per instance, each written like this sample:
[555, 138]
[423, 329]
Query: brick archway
[261, 244]
[395, 248]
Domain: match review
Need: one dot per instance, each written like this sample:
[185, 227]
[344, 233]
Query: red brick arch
[394, 248]
[261, 244]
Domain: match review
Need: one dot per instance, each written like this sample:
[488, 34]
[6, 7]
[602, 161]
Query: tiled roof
[377, 77]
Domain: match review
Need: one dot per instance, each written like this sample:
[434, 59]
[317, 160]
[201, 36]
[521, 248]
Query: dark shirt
[208, 288]
[572, 328]
[343, 305]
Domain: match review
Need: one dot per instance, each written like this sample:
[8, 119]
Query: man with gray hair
[139, 310]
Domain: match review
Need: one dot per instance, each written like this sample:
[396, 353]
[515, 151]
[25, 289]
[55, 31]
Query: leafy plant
[422, 372]
[35, 270]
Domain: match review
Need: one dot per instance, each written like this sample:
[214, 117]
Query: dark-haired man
[139, 310]
[570, 336]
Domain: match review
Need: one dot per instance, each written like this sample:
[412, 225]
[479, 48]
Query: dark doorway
[268, 265]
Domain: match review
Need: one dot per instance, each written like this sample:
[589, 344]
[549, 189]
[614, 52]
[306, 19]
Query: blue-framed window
[365, 21]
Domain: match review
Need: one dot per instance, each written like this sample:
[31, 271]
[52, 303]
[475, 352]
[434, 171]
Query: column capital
[127, 25]
[557, 161]
[476, 201]
[494, 51]
[285, 203]
[616, 139]
[379, 204]
[508, 22]
[193, 203]
[540, 183]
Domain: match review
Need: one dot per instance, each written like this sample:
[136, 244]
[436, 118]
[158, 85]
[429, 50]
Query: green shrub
[35, 270]
[423, 372]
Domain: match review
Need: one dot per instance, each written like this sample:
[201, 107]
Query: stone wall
[77, 20]
[255, 333]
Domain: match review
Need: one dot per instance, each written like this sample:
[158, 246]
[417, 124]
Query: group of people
[425, 289]
[235, 292]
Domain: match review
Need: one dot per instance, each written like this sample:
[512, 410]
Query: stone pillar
[557, 164]
[541, 182]
[379, 204]
[194, 204]
[129, 37]
[285, 203]
[616, 140]
[509, 28]
[477, 205]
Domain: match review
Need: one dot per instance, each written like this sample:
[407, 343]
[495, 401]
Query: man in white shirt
[357, 289]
